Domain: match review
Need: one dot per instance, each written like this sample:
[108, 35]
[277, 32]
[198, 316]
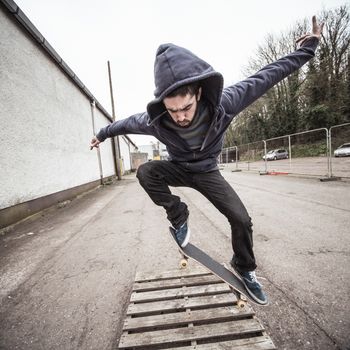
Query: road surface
[66, 275]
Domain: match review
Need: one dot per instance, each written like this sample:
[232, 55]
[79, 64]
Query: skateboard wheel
[183, 263]
[241, 303]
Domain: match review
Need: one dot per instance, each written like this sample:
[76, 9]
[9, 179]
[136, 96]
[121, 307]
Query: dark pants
[156, 177]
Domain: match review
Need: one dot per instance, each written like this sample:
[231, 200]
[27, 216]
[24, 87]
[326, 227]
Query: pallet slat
[216, 330]
[181, 304]
[194, 271]
[176, 282]
[182, 318]
[256, 343]
[180, 292]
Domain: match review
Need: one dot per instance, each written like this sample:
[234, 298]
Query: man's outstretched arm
[237, 97]
[136, 124]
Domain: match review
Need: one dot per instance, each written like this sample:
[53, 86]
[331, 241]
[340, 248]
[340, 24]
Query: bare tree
[318, 95]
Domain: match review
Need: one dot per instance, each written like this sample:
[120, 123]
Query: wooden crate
[189, 309]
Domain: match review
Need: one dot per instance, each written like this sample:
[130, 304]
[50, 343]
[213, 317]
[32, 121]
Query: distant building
[155, 151]
[127, 149]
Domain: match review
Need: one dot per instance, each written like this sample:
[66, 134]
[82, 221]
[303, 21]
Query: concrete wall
[137, 159]
[125, 153]
[46, 120]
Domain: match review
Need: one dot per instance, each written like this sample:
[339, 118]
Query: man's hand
[94, 143]
[316, 32]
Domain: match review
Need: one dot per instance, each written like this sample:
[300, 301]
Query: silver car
[276, 154]
[343, 150]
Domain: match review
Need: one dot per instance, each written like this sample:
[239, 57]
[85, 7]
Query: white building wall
[46, 123]
[125, 153]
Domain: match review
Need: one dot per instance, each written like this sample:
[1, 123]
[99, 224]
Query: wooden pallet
[189, 309]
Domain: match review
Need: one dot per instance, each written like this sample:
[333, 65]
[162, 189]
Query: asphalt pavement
[66, 274]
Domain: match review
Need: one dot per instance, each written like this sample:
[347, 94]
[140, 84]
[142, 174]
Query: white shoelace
[252, 275]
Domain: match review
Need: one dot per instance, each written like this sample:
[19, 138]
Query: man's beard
[184, 123]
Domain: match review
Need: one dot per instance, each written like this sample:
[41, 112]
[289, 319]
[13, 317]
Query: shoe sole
[187, 239]
[253, 296]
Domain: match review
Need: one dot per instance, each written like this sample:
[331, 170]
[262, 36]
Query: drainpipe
[93, 104]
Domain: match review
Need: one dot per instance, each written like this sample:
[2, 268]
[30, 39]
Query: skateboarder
[190, 114]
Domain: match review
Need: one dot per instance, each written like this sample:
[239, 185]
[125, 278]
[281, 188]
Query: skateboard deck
[219, 270]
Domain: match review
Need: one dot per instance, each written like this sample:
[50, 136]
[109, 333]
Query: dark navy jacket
[175, 66]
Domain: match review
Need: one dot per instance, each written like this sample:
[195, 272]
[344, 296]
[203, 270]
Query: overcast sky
[226, 33]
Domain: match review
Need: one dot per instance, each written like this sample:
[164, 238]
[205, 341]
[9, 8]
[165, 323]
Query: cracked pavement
[66, 274]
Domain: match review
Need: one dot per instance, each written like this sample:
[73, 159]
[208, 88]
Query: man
[190, 114]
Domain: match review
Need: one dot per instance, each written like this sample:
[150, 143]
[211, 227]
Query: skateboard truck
[241, 299]
[184, 261]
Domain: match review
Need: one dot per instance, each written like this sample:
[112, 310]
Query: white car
[276, 154]
[343, 150]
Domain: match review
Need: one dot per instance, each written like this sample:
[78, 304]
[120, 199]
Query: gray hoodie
[176, 66]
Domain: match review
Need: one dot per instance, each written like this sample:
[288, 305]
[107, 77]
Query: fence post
[329, 150]
[330, 144]
[290, 153]
[329, 157]
[248, 158]
[265, 152]
[236, 160]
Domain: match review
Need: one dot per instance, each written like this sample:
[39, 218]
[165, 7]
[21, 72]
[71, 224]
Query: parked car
[276, 154]
[343, 150]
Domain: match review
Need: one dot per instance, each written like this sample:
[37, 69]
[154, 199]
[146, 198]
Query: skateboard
[219, 270]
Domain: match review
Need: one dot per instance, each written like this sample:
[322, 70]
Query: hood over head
[175, 66]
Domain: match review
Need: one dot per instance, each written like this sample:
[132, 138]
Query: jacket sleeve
[237, 97]
[135, 124]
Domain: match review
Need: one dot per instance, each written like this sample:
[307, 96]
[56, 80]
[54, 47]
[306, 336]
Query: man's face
[182, 108]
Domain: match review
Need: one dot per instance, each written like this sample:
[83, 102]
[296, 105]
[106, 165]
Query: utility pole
[115, 145]
[93, 106]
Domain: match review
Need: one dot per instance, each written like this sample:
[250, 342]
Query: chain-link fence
[305, 153]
